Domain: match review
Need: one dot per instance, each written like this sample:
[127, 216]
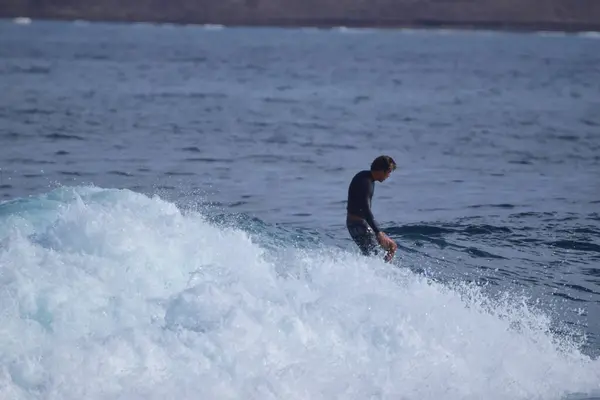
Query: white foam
[589, 35]
[347, 30]
[213, 27]
[22, 20]
[120, 296]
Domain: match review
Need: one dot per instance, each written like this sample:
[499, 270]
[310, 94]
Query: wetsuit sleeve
[366, 205]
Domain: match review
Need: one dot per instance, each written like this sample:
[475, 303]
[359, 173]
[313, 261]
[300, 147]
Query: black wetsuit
[360, 194]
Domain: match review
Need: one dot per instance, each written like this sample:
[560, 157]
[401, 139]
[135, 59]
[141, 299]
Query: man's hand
[388, 244]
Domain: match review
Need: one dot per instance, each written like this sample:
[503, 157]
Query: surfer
[360, 222]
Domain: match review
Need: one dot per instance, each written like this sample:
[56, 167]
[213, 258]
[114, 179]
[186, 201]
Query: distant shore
[357, 24]
[503, 15]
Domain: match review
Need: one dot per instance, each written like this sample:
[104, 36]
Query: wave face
[110, 294]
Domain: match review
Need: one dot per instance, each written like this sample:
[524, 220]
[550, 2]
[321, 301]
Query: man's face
[383, 175]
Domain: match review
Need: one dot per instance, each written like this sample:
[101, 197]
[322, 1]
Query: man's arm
[366, 194]
[382, 238]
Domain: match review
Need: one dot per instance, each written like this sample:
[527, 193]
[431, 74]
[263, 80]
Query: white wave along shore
[110, 294]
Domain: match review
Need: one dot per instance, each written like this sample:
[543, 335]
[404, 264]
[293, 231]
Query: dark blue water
[497, 137]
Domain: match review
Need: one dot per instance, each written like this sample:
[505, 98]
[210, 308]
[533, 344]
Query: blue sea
[172, 213]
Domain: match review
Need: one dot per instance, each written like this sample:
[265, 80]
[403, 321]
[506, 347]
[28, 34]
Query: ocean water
[173, 205]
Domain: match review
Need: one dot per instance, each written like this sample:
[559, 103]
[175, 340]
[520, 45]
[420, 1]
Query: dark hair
[383, 163]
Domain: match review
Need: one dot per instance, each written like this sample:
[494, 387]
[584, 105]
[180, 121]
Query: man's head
[382, 167]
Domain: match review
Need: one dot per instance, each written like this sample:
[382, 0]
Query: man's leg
[363, 236]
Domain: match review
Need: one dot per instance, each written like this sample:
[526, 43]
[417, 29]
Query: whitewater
[112, 294]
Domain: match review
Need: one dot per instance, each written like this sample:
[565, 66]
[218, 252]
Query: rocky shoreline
[525, 15]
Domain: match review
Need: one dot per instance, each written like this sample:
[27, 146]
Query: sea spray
[114, 294]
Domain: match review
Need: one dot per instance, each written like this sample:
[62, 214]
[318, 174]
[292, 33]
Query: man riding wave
[360, 222]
